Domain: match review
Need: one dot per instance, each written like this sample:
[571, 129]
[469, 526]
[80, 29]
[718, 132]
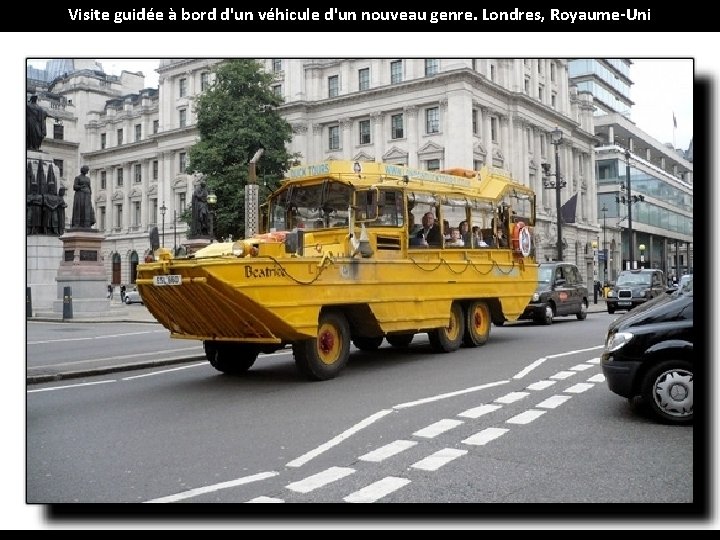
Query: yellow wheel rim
[328, 344]
[479, 320]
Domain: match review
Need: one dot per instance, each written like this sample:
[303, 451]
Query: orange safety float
[521, 239]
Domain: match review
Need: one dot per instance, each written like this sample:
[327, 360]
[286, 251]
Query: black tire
[231, 358]
[582, 314]
[127, 300]
[667, 391]
[399, 340]
[324, 356]
[449, 339]
[611, 309]
[547, 315]
[367, 343]
[477, 324]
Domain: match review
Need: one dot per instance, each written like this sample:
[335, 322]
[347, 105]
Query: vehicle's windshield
[686, 285]
[545, 275]
[310, 207]
[627, 280]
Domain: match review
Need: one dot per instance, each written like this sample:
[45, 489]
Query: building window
[119, 136]
[364, 79]
[276, 65]
[103, 140]
[156, 126]
[101, 225]
[396, 126]
[138, 172]
[182, 162]
[527, 85]
[103, 179]
[118, 216]
[364, 126]
[553, 99]
[155, 168]
[183, 117]
[204, 81]
[333, 86]
[136, 213]
[334, 137]
[58, 132]
[395, 71]
[475, 121]
[432, 66]
[474, 64]
[492, 72]
[539, 65]
[541, 91]
[181, 202]
[138, 132]
[153, 211]
[182, 87]
[277, 90]
[432, 120]
[432, 165]
[60, 165]
[120, 177]
[493, 129]
[529, 140]
[552, 72]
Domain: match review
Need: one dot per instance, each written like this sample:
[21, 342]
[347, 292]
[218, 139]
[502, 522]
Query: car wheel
[547, 315]
[582, 314]
[127, 300]
[667, 389]
[611, 309]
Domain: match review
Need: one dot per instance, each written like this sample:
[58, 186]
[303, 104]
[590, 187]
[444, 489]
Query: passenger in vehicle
[455, 240]
[430, 232]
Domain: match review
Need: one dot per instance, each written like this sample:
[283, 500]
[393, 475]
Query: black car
[634, 287]
[560, 292]
[649, 354]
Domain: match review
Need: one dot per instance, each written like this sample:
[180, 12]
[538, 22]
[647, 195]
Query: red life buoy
[516, 235]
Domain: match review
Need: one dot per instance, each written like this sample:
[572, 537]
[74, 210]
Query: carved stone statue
[35, 124]
[83, 216]
[200, 224]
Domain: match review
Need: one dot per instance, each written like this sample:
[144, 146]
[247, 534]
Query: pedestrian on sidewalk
[122, 293]
[110, 291]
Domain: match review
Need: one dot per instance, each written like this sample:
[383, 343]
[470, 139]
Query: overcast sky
[661, 87]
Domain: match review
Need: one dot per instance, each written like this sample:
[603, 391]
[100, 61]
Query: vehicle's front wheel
[231, 358]
[477, 324]
[667, 389]
[546, 317]
[323, 357]
[449, 339]
[611, 309]
[127, 300]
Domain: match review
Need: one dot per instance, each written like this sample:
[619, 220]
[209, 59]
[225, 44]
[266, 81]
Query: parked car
[649, 356]
[560, 292]
[634, 287]
[679, 285]
[133, 297]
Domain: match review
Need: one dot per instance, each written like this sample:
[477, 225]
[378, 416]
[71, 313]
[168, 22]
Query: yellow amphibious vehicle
[346, 254]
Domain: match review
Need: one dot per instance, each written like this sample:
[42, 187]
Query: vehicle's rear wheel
[399, 340]
[582, 314]
[547, 315]
[449, 339]
[367, 343]
[477, 324]
[667, 389]
[323, 357]
[231, 358]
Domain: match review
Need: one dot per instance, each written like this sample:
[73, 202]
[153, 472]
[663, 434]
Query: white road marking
[215, 487]
[377, 490]
[525, 417]
[441, 426]
[438, 459]
[594, 361]
[388, 450]
[540, 385]
[540, 361]
[581, 367]
[477, 412]
[552, 402]
[265, 500]
[120, 357]
[579, 388]
[90, 338]
[448, 395]
[512, 397]
[69, 386]
[333, 474]
[597, 378]
[485, 436]
[160, 372]
[560, 375]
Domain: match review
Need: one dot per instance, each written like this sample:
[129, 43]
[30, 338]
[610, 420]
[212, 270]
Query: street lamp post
[604, 210]
[163, 209]
[630, 233]
[174, 233]
[212, 199]
[556, 138]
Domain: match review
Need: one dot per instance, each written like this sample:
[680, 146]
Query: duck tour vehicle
[346, 254]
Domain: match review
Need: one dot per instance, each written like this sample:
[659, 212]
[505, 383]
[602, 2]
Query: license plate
[619, 303]
[174, 279]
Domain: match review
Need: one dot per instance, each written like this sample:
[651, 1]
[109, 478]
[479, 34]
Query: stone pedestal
[193, 244]
[82, 269]
[43, 256]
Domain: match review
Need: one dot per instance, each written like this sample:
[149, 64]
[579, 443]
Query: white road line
[297, 462]
[438, 459]
[579, 388]
[597, 378]
[333, 474]
[552, 402]
[581, 367]
[540, 361]
[448, 395]
[90, 338]
[594, 361]
[540, 385]
[120, 357]
[512, 397]
[477, 412]
[377, 490]
[560, 375]
[441, 426]
[485, 436]
[215, 487]
[388, 450]
[525, 417]
[70, 386]
[265, 500]
[160, 372]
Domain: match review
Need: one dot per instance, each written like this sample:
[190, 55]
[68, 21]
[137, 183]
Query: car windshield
[633, 279]
[686, 285]
[545, 274]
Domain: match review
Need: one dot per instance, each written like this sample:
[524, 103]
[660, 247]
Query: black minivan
[649, 354]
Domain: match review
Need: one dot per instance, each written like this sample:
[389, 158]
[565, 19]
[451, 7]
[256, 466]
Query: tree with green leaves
[236, 116]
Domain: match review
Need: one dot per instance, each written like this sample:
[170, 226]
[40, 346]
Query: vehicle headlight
[611, 294]
[617, 340]
[238, 249]
[535, 297]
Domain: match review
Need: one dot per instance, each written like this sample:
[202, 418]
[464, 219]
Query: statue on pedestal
[83, 216]
[36, 130]
[200, 224]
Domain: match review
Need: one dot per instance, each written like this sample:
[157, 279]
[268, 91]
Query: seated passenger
[430, 231]
[455, 240]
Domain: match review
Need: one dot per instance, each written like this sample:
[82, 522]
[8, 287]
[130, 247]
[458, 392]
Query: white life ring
[525, 241]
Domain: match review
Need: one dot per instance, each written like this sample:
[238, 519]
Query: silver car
[133, 297]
